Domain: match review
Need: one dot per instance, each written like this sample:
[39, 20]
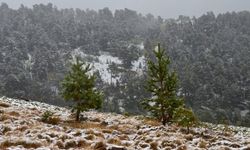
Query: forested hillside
[211, 55]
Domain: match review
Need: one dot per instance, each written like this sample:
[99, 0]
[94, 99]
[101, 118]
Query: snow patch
[139, 65]
[243, 113]
[101, 63]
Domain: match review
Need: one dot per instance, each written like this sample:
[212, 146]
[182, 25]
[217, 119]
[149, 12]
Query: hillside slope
[21, 128]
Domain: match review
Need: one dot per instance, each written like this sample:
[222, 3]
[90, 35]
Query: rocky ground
[21, 127]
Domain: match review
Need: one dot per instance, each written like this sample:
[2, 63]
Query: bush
[185, 117]
[48, 117]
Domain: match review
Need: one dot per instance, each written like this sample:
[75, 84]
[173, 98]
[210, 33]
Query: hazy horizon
[163, 8]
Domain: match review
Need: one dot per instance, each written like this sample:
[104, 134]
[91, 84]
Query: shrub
[127, 114]
[184, 117]
[48, 117]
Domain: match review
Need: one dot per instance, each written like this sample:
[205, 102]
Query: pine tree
[185, 117]
[162, 84]
[79, 87]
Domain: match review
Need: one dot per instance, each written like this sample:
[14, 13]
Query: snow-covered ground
[101, 63]
[21, 128]
[139, 65]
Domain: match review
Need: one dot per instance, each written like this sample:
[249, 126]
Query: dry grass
[82, 143]
[83, 125]
[4, 105]
[151, 122]
[182, 147]
[123, 137]
[154, 145]
[167, 144]
[90, 131]
[115, 141]
[34, 109]
[22, 128]
[13, 113]
[202, 144]
[55, 120]
[178, 142]
[25, 144]
[90, 137]
[78, 133]
[144, 145]
[149, 140]
[60, 144]
[114, 127]
[99, 134]
[70, 144]
[126, 129]
[107, 131]
[189, 137]
[5, 129]
[4, 117]
[100, 146]
[64, 137]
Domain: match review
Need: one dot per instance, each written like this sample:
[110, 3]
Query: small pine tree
[78, 86]
[162, 84]
[185, 117]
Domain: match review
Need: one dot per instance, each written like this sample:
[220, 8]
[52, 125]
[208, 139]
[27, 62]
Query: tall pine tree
[79, 87]
[162, 84]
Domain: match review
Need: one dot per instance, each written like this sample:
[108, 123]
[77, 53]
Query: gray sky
[164, 8]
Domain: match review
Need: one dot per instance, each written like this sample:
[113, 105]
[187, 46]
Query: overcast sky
[164, 8]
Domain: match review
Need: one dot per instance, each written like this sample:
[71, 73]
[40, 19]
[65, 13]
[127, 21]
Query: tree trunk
[164, 121]
[77, 115]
